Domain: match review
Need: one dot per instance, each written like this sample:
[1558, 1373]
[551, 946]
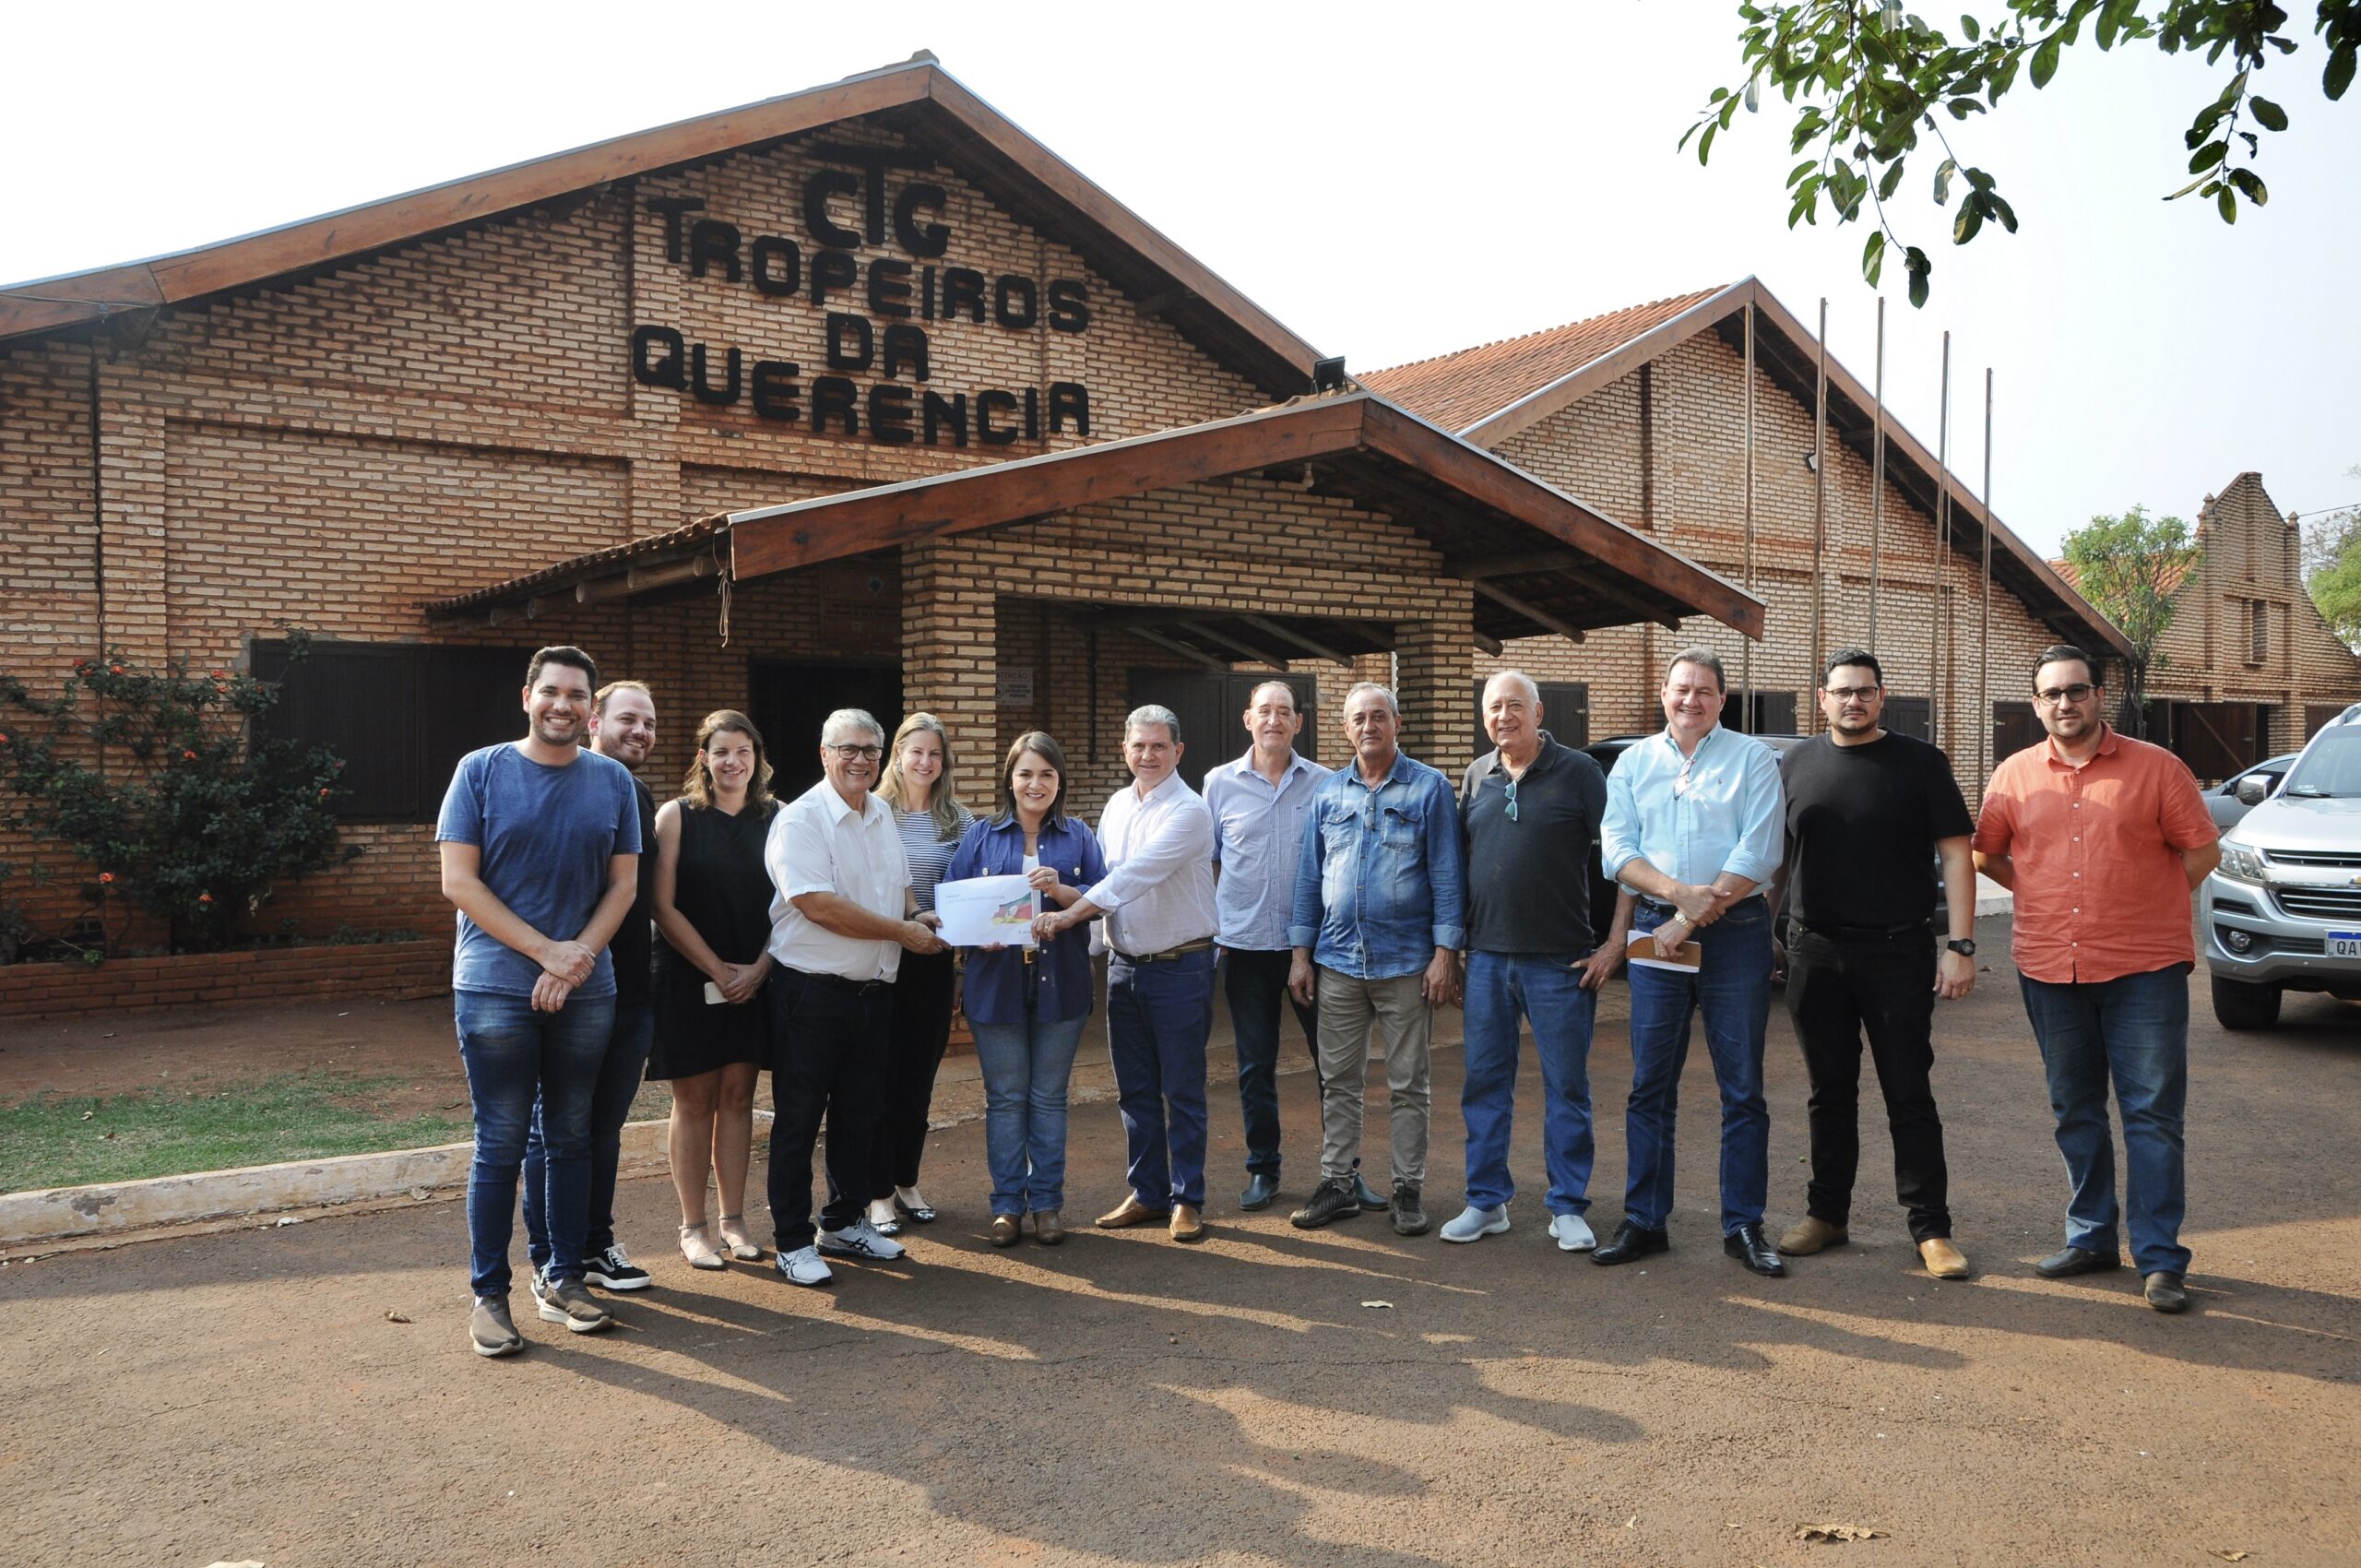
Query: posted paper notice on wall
[982, 911]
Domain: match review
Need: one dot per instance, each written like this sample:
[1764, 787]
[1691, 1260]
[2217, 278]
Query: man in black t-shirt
[1867, 813]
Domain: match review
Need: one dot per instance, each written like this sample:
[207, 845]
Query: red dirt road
[245, 1397]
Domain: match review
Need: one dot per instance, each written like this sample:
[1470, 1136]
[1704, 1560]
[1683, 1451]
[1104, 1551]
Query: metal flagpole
[1745, 654]
[1937, 696]
[1818, 503]
[1877, 484]
[1984, 669]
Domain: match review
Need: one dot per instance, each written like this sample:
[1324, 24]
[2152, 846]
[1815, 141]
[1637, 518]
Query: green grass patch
[70, 1140]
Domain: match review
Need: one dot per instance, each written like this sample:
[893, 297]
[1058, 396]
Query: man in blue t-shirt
[540, 844]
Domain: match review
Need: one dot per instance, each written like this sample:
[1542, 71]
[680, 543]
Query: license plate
[2344, 945]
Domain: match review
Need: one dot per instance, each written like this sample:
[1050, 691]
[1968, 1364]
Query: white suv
[2282, 913]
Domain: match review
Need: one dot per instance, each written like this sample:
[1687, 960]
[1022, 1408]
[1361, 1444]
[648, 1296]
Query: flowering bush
[159, 784]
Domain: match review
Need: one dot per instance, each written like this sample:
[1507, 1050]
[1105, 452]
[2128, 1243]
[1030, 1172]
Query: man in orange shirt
[2101, 837]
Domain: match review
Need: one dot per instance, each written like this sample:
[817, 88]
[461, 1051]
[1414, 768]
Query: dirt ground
[303, 1396]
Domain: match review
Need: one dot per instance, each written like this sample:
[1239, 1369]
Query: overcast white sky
[1390, 181]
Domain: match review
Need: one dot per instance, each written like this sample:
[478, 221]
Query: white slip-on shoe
[859, 1240]
[1573, 1233]
[697, 1245]
[1473, 1224]
[803, 1266]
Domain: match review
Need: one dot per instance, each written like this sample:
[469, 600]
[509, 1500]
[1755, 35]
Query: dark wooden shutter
[1773, 713]
[2013, 729]
[1909, 715]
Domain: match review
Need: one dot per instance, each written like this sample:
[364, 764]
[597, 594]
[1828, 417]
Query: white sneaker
[1474, 1223]
[1573, 1233]
[802, 1266]
[859, 1240]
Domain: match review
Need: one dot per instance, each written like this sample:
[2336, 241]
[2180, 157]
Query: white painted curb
[110, 1208]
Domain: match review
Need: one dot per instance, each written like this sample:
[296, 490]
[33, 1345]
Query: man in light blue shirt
[1261, 804]
[1379, 909]
[1692, 831]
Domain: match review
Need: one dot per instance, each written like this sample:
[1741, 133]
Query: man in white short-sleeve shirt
[841, 916]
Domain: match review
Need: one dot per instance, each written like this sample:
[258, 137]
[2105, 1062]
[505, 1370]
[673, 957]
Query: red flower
[188, 756]
[118, 668]
[324, 794]
[205, 898]
[106, 876]
[220, 674]
[4, 739]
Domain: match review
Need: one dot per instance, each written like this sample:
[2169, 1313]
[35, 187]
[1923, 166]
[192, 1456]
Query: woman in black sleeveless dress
[712, 906]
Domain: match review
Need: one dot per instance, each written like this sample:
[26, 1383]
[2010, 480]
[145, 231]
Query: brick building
[854, 396]
[2250, 668]
[1648, 412]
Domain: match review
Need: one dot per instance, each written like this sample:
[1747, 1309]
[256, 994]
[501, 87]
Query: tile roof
[1460, 389]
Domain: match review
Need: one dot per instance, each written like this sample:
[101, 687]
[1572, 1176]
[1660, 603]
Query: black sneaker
[1332, 1199]
[610, 1270]
[1409, 1214]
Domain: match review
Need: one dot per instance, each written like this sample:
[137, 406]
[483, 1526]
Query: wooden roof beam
[1286, 633]
[1533, 612]
[1214, 634]
[1194, 656]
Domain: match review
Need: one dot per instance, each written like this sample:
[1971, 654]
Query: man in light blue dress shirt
[1260, 803]
[1694, 826]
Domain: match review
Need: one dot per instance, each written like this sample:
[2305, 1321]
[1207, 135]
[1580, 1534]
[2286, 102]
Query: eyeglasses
[857, 753]
[1851, 694]
[1511, 800]
[2077, 695]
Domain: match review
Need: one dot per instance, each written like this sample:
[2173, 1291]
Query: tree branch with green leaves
[2130, 568]
[1871, 80]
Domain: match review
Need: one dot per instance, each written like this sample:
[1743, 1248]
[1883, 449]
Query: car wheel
[2237, 1005]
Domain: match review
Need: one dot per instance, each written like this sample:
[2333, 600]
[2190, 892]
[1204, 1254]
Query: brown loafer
[1130, 1212]
[1006, 1229]
[1187, 1225]
[1943, 1260]
[1808, 1236]
[1048, 1226]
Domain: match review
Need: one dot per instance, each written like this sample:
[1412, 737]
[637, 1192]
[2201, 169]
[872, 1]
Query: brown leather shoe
[1006, 1229]
[1808, 1235]
[1130, 1212]
[1187, 1225]
[1943, 1260]
[1048, 1226]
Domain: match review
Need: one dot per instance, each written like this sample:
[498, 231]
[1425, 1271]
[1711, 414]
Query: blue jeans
[514, 1055]
[1732, 990]
[2135, 1029]
[1545, 988]
[1026, 1067]
[618, 1086]
[1157, 1018]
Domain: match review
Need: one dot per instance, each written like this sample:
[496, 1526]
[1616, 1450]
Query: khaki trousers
[1405, 1026]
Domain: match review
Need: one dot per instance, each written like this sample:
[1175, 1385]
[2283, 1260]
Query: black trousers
[1254, 982]
[921, 1030]
[1838, 989]
[828, 1045]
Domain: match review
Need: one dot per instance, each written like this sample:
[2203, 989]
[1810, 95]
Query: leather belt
[1863, 932]
[1202, 944]
[1668, 911]
[839, 983]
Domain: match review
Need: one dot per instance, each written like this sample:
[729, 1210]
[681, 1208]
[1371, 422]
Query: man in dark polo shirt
[1530, 809]
[1868, 812]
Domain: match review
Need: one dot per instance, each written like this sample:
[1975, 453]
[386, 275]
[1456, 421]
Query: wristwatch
[1964, 947]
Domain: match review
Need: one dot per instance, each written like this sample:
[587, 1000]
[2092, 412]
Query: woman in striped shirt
[917, 784]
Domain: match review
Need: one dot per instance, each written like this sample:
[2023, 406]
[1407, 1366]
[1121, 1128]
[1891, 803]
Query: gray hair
[1704, 657]
[1385, 692]
[1153, 713]
[846, 719]
[1532, 691]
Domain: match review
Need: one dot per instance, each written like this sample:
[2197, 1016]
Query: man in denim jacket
[1378, 908]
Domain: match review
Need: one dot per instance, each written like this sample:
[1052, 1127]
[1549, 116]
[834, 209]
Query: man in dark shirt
[622, 727]
[1530, 809]
[1868, 811]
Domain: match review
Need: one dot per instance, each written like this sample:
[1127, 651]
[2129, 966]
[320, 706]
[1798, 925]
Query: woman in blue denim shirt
[1027, 1007]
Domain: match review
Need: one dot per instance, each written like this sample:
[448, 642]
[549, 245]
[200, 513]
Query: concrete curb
[50, 1213]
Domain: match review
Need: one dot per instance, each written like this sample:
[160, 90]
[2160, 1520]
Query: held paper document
[1686, 959]
[983, 911]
